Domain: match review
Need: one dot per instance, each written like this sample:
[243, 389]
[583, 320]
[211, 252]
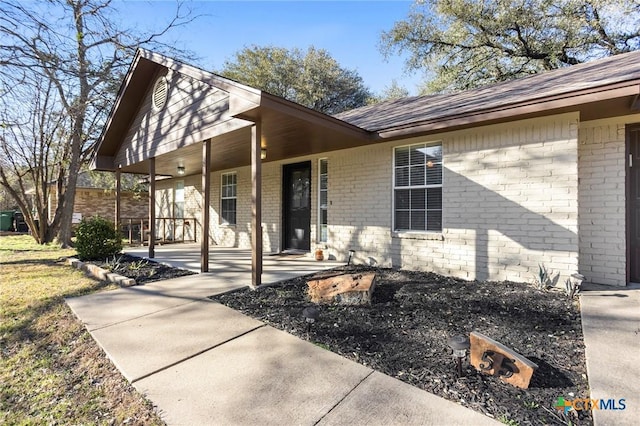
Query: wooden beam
[256, 205]
[152, 208]
[118, 200]
[206, 202]
[635, 103]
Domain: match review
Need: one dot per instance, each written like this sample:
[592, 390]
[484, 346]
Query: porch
[234, 263]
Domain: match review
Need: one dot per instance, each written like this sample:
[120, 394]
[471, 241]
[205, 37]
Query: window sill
[408, 235]
[227, 225]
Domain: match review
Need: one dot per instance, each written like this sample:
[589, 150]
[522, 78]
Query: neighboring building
[97, 197]
[485, 184]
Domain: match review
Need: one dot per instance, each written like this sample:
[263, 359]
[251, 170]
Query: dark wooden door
[297, 206]
[633, 203]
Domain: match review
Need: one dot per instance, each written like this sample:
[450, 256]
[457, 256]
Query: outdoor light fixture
[351, 253]
[180, 170]
[263, 153]
[459, 344]
[311, 315]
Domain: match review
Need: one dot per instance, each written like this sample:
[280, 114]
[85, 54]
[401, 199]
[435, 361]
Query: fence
[168, 230]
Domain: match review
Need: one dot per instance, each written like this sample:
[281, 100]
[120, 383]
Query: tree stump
[345, 289]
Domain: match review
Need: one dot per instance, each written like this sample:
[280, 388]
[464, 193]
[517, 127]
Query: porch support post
[152, 208]
[206, 202]
[256, 205]
[118, 199]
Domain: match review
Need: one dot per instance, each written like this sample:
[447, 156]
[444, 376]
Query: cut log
[495, 359]
[346, 289]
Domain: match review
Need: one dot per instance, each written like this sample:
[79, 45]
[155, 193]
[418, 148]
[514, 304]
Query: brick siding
[512, 200]
[602, 170]
[100, 202]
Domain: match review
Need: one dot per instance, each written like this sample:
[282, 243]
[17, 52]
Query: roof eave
[513, 111]
[293, 109]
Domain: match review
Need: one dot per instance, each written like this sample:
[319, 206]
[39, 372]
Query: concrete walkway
[611, 325]
[203, 363]
[232, 263]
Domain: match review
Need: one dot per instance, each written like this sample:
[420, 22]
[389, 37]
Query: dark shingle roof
[564, 81]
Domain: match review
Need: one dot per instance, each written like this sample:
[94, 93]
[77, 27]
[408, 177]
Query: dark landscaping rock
[141, 270]
[404, 332]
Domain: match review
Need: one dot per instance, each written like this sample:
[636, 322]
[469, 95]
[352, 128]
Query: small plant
[507, 421]
[137, 265]
[97, 239]
[113, 265]
[531, 405]
[545, 278]
[542, 280]
[571, 288]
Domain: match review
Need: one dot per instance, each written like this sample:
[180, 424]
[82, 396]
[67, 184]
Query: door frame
[628, 182]
[283, 205]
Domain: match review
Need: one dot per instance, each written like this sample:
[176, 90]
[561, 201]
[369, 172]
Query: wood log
[493, 358]
[346, 289]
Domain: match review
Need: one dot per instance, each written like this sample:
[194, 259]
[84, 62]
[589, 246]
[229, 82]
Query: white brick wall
[602, 200]
[511, 201]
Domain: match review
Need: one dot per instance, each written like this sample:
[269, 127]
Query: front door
[633, 203]
[297, 206]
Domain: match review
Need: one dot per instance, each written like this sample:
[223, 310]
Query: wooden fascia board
[242, 91]
[103, 163]
[243, 108]
[292, 109]
[635, 102]
[118, 100]
[512, 111]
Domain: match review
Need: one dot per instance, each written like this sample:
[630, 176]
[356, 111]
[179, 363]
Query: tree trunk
[68, 203]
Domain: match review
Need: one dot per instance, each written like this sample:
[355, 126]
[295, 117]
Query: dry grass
[51, 370]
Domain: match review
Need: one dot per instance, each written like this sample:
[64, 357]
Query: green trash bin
[6, 220]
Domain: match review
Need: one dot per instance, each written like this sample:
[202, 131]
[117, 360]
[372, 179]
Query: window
[418, 188]
[228, 198]
[323, 192]
[178, 204]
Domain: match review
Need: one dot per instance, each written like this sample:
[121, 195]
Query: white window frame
[233, 197]
[394, 188]
[319, 236]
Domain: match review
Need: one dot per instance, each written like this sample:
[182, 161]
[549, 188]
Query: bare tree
[70, 56]
[32, 157]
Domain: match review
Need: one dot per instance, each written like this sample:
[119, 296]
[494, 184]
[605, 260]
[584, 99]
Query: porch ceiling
[283, 135]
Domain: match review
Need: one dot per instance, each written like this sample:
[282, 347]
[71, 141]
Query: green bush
[97, 239]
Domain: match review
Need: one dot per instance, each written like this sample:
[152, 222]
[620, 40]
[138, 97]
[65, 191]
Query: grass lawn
[51, 370]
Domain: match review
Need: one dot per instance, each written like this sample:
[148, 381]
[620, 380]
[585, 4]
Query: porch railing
[168, 230]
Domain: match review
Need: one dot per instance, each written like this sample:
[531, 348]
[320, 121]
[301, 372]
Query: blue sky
[349, 30]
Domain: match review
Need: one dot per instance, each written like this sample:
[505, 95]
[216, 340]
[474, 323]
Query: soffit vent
[159, 97]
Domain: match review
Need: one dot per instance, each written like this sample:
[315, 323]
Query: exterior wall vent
[159, 97]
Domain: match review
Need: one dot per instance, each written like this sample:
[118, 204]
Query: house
[484, 184]
[95, 196]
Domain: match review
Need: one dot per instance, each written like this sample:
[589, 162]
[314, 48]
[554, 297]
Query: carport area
[235, 264]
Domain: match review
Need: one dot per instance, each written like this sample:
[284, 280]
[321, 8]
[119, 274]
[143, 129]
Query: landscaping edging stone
[101, 274]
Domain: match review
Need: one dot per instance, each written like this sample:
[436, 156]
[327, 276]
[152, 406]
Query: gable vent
[159, 97]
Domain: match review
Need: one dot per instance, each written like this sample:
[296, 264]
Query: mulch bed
[141, 270]
[403, 333]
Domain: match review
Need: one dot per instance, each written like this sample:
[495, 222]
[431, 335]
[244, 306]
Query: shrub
[97, 239]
